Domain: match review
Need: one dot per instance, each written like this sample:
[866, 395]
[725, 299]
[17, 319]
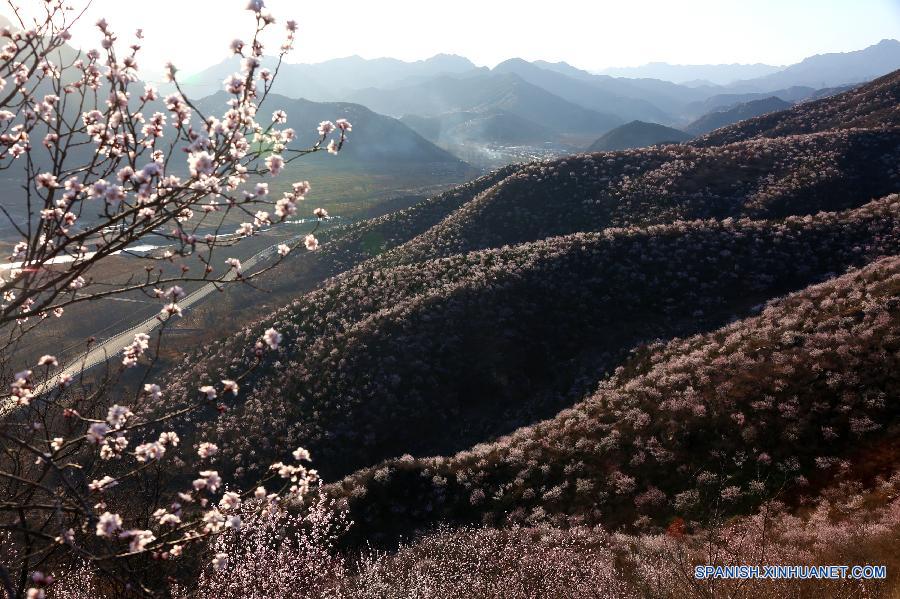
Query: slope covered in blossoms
[848, 522]
[757, 179]
[370, 364]
[710, 423]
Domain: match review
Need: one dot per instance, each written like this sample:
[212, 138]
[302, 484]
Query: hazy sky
[590, 34]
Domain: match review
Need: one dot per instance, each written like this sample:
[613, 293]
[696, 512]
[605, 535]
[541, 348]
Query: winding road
[113, 346]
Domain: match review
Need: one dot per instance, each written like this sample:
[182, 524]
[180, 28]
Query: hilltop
[638, 134]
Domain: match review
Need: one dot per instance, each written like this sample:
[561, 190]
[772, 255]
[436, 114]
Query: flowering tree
[103, 161]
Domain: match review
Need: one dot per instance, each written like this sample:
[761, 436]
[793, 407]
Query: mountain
[746, 110]
[725, 101]
[333, 79]
[564, 68]
[638, 134]
[590, 93]
[874, 105]
[487, 93]
[712, 74]
[832, 70]
[520, 103]
[669, 97]
[375, 139]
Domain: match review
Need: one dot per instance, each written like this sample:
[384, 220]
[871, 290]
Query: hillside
[637, 134]
[873, 105]
[740, 112]
[713, 421]
[388, 321]
[756, 179]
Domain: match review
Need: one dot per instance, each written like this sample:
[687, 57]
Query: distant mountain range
[485, 94]
[875, 105]
[725, 101]
[692, 74]
[453, 103]
[593, 92]
[333, 79]
[833, 69]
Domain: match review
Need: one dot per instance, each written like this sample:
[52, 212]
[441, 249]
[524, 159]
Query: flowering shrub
[104, 162]
[274, 555]
[851, 523]
[516, 562]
